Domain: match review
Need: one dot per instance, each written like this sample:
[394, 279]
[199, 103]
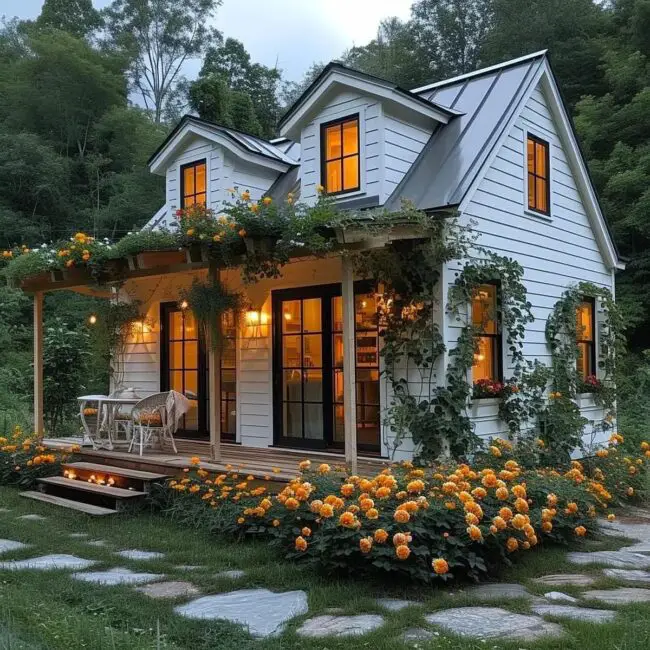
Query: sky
[293, 33]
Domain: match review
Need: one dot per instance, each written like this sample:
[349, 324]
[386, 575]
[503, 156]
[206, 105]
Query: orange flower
[521, 505]
[512, 544]
[580, 531]
[471, 519]
[267, 200]
[347, 519]
[475, 533]
[242, 233]
[365, 544]
[611, 516]
[276, 523]
[366, 504]
[400, 539]
[195, 460]
[403, 552]
[382, 492]
[415, 487]
[372, 513]
[489, 480]
[519, 521]
[495, 451]
[347, 489]
[380, 536]
[326, 511]
[323, 468]
[292, 504]
[519, 491]
[502, 493]
[571, 508]
[479, 493]
[301, 544]
[499, 523]
[440, 566]
[547, 526]
[551, 500]
[401, 516]
[304, 465]
[246, 196]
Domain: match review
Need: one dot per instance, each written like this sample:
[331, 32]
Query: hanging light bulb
[184, 305]
[92, 319]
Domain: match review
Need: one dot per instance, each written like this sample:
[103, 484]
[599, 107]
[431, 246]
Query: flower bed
[430, 523]
[23, 459]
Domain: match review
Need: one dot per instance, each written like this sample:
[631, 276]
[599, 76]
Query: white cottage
[304, 371]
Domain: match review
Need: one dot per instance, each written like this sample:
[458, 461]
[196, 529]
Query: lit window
[539, 196]
[585, 326]
[340, 156]
[487, 358]
[193, 188]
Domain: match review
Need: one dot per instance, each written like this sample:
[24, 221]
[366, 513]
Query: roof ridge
[482, 71]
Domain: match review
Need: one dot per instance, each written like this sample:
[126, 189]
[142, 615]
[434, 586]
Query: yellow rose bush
[433, 523]
[24, 459]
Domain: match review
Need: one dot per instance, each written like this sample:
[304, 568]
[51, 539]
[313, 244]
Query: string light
[92, 319]
[184, 305]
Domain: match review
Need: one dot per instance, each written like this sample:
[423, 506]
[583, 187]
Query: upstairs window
[193, 185]
[485, 317]
[585, 329]
[539, 189]
[340, 160]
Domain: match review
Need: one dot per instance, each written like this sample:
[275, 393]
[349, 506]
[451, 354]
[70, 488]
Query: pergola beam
[39, 427]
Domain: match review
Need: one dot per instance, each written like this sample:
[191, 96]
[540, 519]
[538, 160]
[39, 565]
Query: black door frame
[326, 292]
[203, 429]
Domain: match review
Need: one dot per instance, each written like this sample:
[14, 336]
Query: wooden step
[84, 486]
[89, 509]
[97, 468]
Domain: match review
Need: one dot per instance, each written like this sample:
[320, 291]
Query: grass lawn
[50, 611]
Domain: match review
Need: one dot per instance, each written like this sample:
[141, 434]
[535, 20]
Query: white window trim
[551, 143]
[361, 115]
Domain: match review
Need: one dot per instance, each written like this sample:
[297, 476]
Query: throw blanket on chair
[177, 406]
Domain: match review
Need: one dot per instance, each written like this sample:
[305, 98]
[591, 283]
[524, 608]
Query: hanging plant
[209, 301]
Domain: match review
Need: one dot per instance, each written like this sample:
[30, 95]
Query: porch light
[92, 319]
[253, 316]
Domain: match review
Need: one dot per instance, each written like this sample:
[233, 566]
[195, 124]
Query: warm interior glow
[253, 317]
[341, 156]
[484, 317]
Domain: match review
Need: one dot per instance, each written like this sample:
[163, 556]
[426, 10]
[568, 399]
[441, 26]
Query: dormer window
[539, 188]
[193, 185]
[340, 159]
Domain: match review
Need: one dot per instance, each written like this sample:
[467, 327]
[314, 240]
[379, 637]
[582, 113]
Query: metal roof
[251, 143]
[456, 152]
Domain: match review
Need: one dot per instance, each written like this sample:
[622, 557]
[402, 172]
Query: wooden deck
[278, 463]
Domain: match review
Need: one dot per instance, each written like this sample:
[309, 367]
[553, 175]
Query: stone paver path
[562, 579]
[32, 518]
[134, 554]
[415, 634]
[498, 591]
[620, 596]
[628, 575]
[48, 563]
[117, 576]
[233, 574]
[78, 535]
[622, 559]
[396, 604]
[7, 545]
[559, 597]
[99, 543]
[171, 589]
[339, 626]
[264, 612]
[493, 622]
[189, 567]
[577, 613]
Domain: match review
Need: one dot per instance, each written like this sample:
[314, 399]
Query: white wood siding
[555, 251]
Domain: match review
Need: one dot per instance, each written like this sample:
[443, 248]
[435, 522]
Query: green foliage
[209, 302]
[77, 17]
[144, 240]
[65, 355]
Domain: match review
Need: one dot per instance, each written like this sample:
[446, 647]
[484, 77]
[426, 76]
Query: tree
[452, 32]
[77, 17]
[159, 36]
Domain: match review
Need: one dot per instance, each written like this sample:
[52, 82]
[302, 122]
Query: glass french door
[308, 368]
[184, 368]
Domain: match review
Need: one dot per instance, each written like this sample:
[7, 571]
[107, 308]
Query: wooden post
[214, 384]
[349, 365]
[39, 427]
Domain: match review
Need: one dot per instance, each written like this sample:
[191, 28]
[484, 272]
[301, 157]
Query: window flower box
[485, 407]
[260, 245]
[154, 259]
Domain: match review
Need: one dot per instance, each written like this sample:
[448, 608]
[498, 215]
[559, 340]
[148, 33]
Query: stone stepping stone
[576, 613]
[498, 591]
[99, 543]
[134, 554]
[622, 528]
[559, 597]
[340, 626]
[641, 547]
[617, 559]
[232, 574]
[171, 589]
[264, 613]
[32, 518]
[117, 576]
[48, 563]
[493, 622]
[620, 596]
[415, 634]
[560, 579]
[629, 575]
[189, 567]
[78, 535]
[7, 545]
[396, 604]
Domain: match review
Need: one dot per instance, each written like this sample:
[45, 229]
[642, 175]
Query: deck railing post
[349, 365]
[214, 387]
[39, 426]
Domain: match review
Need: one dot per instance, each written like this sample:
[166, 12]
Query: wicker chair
[152, 417]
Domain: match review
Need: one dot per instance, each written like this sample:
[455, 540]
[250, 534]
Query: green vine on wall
[561, 424]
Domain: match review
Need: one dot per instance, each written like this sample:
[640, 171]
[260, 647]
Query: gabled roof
[455, 154]
[251, 146]
[458, 154]
[337, 74]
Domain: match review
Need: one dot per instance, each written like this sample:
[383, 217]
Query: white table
[104, 434]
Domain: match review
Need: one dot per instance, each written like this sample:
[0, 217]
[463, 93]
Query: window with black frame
[193, 184]
[485, 317]
[340, 156]
[585, 338]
